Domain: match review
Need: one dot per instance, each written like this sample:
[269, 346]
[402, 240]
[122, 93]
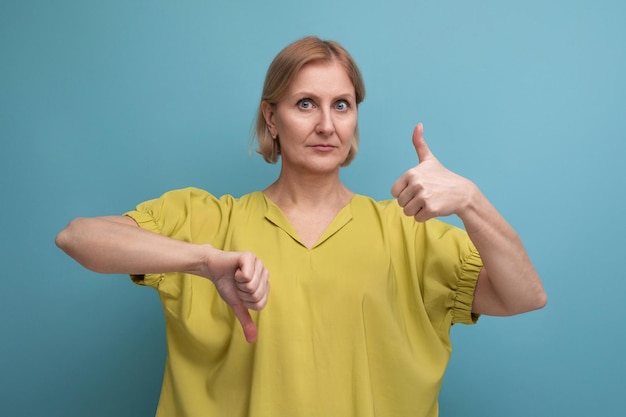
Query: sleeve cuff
[462, 312]
[146, 222]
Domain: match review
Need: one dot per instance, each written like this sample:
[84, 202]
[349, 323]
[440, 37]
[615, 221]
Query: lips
[323, 147]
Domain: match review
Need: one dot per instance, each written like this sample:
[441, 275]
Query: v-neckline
[276, 216]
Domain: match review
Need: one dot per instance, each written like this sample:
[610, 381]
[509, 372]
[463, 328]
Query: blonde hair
[281, 73]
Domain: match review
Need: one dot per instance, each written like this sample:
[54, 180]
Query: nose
[325, 125]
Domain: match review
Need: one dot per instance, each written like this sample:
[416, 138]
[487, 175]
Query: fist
[430, 190]
[243, 283]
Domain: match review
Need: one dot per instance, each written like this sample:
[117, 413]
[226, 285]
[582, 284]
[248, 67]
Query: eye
[305, 103]
[342, 105]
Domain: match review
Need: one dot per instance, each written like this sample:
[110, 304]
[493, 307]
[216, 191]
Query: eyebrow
[307, 93]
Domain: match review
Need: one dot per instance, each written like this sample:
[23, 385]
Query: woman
[363, 292]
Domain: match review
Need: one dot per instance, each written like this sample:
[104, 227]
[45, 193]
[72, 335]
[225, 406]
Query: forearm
[509, 283]
[108, 245]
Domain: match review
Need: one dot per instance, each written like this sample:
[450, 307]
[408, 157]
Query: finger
[423, 215]
[423, 152]
[399, 186]
[247, 324]
[255, 296]
[404, 197]
[413, 207]
[250, 279]
[245, 272]
[265, 290]
[255, 302]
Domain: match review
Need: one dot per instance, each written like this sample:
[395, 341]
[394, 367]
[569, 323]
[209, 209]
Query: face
[316, 119]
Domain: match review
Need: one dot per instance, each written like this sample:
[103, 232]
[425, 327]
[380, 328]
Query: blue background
[106, 104]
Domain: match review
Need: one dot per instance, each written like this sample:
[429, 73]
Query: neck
[311, 191]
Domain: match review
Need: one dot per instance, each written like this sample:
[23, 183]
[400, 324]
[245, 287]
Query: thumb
[247, 324]
[423, 152]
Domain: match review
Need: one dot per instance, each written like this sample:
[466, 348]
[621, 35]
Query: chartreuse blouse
[357, 326]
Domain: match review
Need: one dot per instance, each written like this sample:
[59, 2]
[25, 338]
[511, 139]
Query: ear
[268, 114]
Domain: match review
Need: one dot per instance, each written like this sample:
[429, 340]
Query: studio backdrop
[107, 104]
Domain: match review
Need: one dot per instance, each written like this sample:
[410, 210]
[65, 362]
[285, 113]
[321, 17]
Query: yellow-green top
[358, 325]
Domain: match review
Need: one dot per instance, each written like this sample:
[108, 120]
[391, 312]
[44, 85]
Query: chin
[328, 166]
[318, 165]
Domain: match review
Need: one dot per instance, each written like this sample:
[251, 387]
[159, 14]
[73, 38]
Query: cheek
[289, 125]
[348, 129]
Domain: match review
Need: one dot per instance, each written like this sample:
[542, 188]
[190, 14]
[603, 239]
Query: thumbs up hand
[429, 189]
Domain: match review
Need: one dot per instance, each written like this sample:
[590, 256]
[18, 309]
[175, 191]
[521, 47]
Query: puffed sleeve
[471, 265]
[190, 214]
[450, 269]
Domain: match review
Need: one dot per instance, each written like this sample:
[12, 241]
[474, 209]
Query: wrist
[201, 260]
[476, 210]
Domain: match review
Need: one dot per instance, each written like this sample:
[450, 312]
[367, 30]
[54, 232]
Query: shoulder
[385, 209]
[189, 202]
[363, 202]
[391, 215]
[192, 196]
[194, 214]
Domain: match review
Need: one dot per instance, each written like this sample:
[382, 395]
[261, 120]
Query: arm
[508, 283]
[117, 245]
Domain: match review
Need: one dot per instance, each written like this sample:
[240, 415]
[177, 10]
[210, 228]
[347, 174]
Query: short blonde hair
[281, 73]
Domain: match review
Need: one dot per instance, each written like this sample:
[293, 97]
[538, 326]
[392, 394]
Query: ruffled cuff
[470, 268]
[146, 222]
